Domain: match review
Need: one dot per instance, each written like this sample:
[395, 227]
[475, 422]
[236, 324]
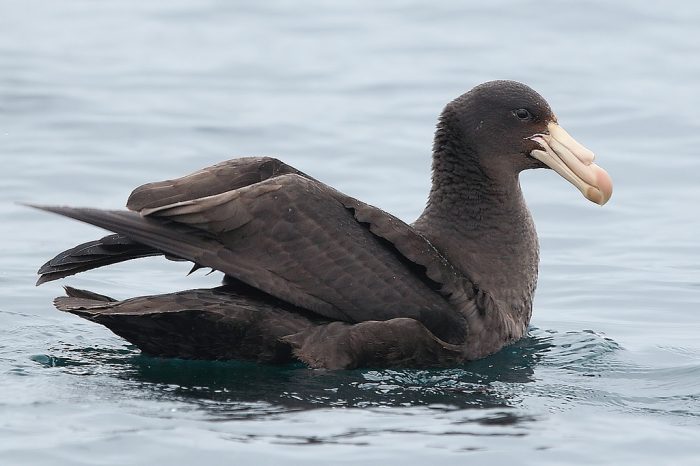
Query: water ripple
[99, 97]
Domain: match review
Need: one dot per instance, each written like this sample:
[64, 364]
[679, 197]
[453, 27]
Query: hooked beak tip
[574, 162]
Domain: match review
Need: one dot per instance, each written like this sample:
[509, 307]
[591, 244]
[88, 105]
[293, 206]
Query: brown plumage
[313, 274]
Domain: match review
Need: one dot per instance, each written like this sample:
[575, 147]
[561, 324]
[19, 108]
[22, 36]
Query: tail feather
[85, 294]
[218, 323]
[93, 254]
[178, 241]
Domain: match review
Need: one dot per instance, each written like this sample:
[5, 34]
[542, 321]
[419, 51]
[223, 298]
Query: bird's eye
[523, 114]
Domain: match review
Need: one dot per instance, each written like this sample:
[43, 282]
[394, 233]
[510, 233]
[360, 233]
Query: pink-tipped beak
[574, 162]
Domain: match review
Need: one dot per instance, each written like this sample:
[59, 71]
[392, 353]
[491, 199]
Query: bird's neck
[481, 224]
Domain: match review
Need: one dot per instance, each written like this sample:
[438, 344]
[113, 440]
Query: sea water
[97, 98]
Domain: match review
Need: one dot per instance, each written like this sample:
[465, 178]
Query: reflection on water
[482, 399]
[588, 368]
[475, 385]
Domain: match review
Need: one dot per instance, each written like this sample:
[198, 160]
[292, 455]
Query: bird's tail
[216, 323]
[93, 254]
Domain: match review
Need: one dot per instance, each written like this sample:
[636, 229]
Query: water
[99, 97]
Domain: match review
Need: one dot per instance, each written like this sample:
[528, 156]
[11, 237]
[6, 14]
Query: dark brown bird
[314, 275]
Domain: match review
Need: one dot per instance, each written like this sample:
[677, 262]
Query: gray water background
[99, 97]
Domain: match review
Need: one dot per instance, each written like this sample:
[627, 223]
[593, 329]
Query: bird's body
[315, 275]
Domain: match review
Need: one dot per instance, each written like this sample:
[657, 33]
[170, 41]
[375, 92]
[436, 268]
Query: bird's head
[508, 127]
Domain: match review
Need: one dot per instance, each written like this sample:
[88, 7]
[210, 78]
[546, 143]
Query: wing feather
[225, 176]
[278, 230]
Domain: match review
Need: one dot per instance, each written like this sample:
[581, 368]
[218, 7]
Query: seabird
[314, 275]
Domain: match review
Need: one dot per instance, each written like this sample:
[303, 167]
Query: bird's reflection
[234, 389]
[297, 387]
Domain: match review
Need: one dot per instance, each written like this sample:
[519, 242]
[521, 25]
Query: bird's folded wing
[241, 172]
[293, 238]
[300, 241]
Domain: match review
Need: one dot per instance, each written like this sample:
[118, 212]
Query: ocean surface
[97, 98]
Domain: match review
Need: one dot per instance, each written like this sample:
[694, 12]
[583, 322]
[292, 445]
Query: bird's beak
[574, 162]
